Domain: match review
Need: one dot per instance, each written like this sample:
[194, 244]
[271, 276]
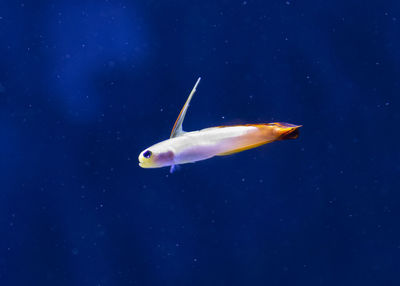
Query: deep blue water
[85, 86]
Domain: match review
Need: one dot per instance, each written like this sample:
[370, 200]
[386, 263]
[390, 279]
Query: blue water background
[87, 85]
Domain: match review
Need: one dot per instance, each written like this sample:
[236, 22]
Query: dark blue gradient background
[86, 85]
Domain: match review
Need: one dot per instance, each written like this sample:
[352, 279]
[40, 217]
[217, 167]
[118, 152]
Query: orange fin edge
[243, 149]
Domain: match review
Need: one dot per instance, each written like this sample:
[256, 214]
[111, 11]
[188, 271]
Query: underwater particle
[111, 64]
[2, 89]
[75, 251]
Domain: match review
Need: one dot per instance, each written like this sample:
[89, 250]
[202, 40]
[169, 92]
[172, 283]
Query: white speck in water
[111, 64]
[75, 251]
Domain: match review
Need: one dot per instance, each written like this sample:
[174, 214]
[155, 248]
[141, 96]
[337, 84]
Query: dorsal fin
[177, 129]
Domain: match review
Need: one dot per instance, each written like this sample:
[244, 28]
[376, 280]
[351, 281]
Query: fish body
[216, 141]
[188, 147]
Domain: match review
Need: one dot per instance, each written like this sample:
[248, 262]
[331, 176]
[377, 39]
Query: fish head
[156, 157]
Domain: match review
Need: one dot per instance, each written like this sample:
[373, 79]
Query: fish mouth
[144, 165]
[141, 163]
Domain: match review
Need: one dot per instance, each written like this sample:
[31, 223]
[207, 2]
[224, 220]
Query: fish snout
[156, 158]
[143, 162]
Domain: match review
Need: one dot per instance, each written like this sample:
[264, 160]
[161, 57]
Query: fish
[189, 147]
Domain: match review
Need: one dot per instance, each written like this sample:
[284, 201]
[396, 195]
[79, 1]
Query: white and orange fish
[188, 147]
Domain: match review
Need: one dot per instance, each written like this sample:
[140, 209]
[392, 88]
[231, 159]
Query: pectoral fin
[177, 129]
[174, 168]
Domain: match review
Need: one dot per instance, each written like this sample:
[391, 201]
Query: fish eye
[147, 154]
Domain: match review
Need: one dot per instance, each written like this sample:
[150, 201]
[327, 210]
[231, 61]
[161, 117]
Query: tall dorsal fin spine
[177, 129]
